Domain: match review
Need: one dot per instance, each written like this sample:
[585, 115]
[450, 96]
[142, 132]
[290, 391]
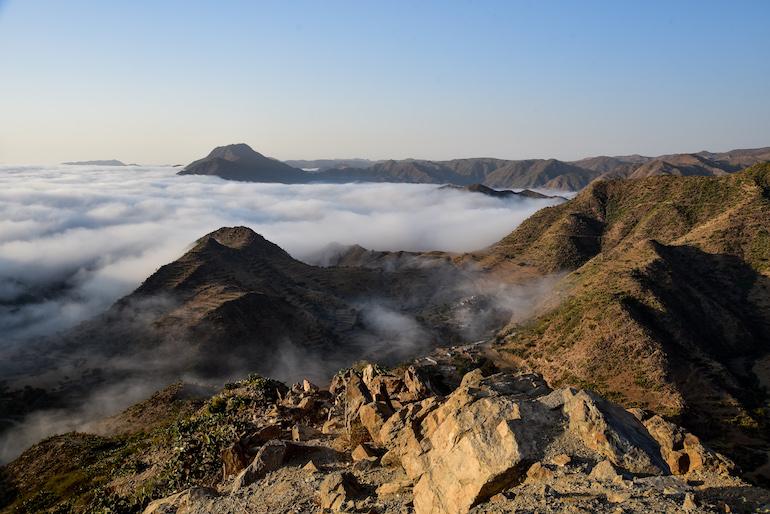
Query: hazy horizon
[164, 83]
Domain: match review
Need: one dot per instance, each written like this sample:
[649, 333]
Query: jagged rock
[331, 427]
[539, 473]
[337, 489]
[234, 459]
[373, 416]
[418, 384]
[401, 434]
[308, 386]
[265, 433]
[180, 502]
[363, 452]
[310, 467]
[613, 432]
[480, 441]
[394, 487]
[356, 395]
[301, 432]
[306, 404]
[561, 460]
[269, 458]
[689, 504]
[682, 451]
[604, 470]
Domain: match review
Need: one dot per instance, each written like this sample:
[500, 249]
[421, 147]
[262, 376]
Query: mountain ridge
[240, 162]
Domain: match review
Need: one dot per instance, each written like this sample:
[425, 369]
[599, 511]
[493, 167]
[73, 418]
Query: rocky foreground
[430, 438]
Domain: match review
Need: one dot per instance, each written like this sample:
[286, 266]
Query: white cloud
[78, 238]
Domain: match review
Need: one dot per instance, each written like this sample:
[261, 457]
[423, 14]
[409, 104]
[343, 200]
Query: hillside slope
[668, 303]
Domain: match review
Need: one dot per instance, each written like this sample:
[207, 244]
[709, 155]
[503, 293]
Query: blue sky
[164, 81]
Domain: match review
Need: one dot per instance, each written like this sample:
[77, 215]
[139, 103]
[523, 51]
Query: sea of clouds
[73, 239]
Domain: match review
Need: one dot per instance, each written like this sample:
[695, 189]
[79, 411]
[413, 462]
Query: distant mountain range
[240, 162]
[106, 162]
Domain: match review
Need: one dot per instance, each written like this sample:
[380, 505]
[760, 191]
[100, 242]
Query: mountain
[109, 162]
[665, 305]
[325, 164]
[240, 162]
[237, 303]
[505, 193]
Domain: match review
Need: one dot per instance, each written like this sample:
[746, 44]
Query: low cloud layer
[74, 239]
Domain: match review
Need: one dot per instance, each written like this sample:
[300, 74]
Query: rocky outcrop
[495, 443]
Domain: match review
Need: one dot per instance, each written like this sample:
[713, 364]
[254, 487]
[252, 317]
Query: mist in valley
[73, 240]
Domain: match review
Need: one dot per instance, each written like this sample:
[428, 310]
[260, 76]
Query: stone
[265, 433]
[300, 432]
[561, 460]
[689, 503]
[310, 467]
[373, 416]
[181, 502]
[538, 473]
[356, 395]
[394, 487]
[683, 452]
[604, 470]
[269, 458]
[332, 427]
[363, 452]
[308, 386]
[618, 496]
[476, 444]
[613, 432]
[234, 459]
[337, 489]
[418, 384]
[306, 404]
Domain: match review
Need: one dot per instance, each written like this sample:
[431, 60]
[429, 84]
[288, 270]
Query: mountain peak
[234, 237]
[235, 152]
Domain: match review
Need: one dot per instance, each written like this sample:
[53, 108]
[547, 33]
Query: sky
[164, 81]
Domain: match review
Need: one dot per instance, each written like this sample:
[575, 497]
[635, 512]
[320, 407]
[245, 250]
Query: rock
[373, 416]
[308, 386]
[306, 404]
[561, 460]
[269, 458]
[356, 395]
[394, 487]
[363, 452]
[180, 503]
[300, 432]
[538, 473]
[478, 443]
[332, 426]
[604, 470]
[339, 382]
[337, 489]
[618, 496]
[683, 452]
[265, 433]
[364, 465]
[310, 467]
[234, 459]
[613, 432]
[418, 384]
[689, 504]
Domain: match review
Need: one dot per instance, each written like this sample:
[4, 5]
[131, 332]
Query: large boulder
[480, 441]
[336, 489]
[613, 432]
[269, 458]
[683, 451]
